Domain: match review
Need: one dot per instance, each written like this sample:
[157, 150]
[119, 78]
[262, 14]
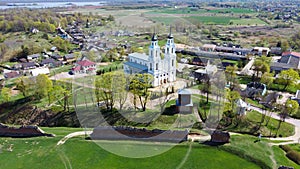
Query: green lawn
[78, 153]
[250, 123]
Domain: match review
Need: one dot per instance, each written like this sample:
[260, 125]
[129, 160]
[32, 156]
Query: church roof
[137, 66]
[141, 56]
[154, 37]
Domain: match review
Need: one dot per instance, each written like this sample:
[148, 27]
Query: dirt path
[71, 135]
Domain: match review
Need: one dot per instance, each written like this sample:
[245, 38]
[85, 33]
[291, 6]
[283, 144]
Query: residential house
[12, 74]
[254, 89]
[261, 51]
[269, 100]
[288, 60]
[200, 61]
[53, 49]
[209, 47]
[84, 66]
[17, 66]
[33, 57]
[28, 65]
[51, 63]
[56, 56]
[70, 58]
[202, 74]
[276, 51]
[38, 71]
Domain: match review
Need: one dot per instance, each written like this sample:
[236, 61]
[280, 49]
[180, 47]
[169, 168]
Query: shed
[241, 107]
[220, 137]
[184, 103]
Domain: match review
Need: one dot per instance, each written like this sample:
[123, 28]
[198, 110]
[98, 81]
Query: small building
[53, 49]
[202, 74]
[56, 56]
[33, 57]
[28, 65]
[70, 58]
[297, 97]
[241, 107]
[38, 71]
[34, 30]
[269, 100]
[184, 103]
[12, 74]
[254, 89]
[209, 47]
[276, 50]
[261, 51]
[220, 137]
[51, 63]
[200, 61]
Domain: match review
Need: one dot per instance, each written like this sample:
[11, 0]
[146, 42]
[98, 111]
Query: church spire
[154, 37]
[170, 36]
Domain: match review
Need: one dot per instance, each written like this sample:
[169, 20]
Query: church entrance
[165, 81]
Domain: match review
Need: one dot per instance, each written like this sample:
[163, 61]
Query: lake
[50, 4]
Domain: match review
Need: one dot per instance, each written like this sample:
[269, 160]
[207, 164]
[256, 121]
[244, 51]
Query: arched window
[172, 62]
[151, 53]
[156, 66]
[150, 66]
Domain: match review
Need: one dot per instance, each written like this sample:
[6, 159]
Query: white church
[163, 70]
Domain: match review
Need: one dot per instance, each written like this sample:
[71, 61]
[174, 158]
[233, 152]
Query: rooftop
[137, 66]
[141, 56]
[291, 53]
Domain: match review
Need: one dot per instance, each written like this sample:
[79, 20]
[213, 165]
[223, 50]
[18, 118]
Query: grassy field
[252, 120]
[218, 20]
[255, 21]
[79, 153]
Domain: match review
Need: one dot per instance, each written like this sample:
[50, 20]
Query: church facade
[162, 70]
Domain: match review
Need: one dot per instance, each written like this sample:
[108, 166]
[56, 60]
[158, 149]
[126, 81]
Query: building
[288, 60]
[209, 47]
[38, 71]
[12, 74]
[163, 70]
[184, 103]
[28, 65]
[241, 107]
[70, 58]
[84, 66]
[297, 97]
[261, 51]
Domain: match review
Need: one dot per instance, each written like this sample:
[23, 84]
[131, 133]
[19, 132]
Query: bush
[294, 156]
[285, 148]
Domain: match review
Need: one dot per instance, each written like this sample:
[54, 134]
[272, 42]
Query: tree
[230, 73]
[120, 88]
[232, 97]
[139, 86]
[267, 78]
[205, 87]
[5, 94]
[288, 78]
[291, 107]
[22, 86]
[43, 86]
[104, 89]
[261, 65]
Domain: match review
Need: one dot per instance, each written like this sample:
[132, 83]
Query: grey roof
[70, 56]
[137, 66]
[34, 55]
[275, 65]
[184, 91]
[141, 56]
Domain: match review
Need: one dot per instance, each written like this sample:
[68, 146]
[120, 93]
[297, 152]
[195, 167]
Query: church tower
[170, 57]
[154, 60]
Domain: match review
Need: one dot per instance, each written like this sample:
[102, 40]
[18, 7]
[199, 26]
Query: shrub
[285, 148]
[294, 156]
